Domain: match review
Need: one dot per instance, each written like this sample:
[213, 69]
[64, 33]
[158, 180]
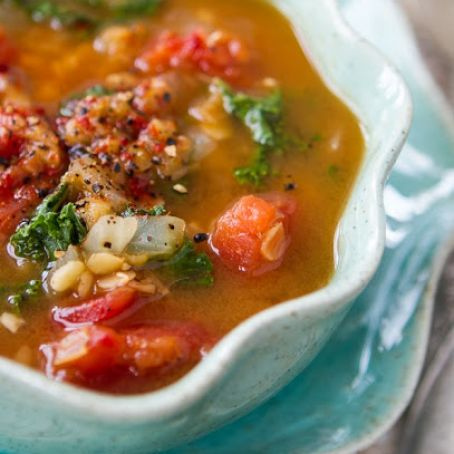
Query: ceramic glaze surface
[264, 353]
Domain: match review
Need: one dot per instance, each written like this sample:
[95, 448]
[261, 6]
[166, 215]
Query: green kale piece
[23, 293]
[158, 210]
[126, 9]
[53, 202]
[52, 10]
[54, 227]
[264, 118]
[257, 170]
[86, 14]
[190, 267]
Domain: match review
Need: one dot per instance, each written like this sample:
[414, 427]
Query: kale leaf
[264, 118]
[257, 171]
[190, 267]
[54, 227]
[86, 14]
[129, 9]
[52, 10]
[157, 210]
[54, 201]
[19, 295]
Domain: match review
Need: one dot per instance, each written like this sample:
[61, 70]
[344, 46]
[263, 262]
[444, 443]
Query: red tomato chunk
[96, 310]
[94, 351]
[87, 351]
[253, 235]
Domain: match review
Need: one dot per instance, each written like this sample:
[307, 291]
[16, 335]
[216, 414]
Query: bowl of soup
[191, 198]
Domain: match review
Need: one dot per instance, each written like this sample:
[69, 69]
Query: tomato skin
[241, 232]
[164, 345]
[87, 351]
[99, 352]
[96, 310]
[14, 208]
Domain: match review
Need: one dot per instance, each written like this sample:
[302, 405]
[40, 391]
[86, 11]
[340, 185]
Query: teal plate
[365, 376]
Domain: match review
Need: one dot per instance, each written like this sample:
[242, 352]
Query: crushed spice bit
[201, 237]
[180, 188]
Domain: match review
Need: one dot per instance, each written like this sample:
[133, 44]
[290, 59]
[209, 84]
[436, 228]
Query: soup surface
[189, 167]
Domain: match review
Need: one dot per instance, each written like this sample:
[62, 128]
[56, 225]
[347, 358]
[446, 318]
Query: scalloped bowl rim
[173, 399]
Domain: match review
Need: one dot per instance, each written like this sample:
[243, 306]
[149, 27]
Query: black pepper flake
[130, 168]
[97, 188]
[167, 97]
[290, 186]
[104, 158]
[82, 203]
[42, 193]
[171, 227]
[149, 238]
[201, 237]
[171, 141]
[87, 181]
[108, 245]
[117, 167]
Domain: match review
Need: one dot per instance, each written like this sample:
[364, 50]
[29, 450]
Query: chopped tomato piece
[89, 350]
[15, 208]
[96, 352]
[96, 310]
[215, 54]
[253, 235]
[164, 344]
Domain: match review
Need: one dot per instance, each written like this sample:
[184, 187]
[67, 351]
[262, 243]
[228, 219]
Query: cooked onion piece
[110, 234]
[157, 237]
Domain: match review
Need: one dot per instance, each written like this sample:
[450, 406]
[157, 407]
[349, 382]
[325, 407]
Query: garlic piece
[273, 242]
[11, 322]
[116, 280]
[67, 276]
[143, 287]
[86, 282]
[104, 263]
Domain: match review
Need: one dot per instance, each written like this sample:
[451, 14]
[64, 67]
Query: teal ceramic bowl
[266, 351]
